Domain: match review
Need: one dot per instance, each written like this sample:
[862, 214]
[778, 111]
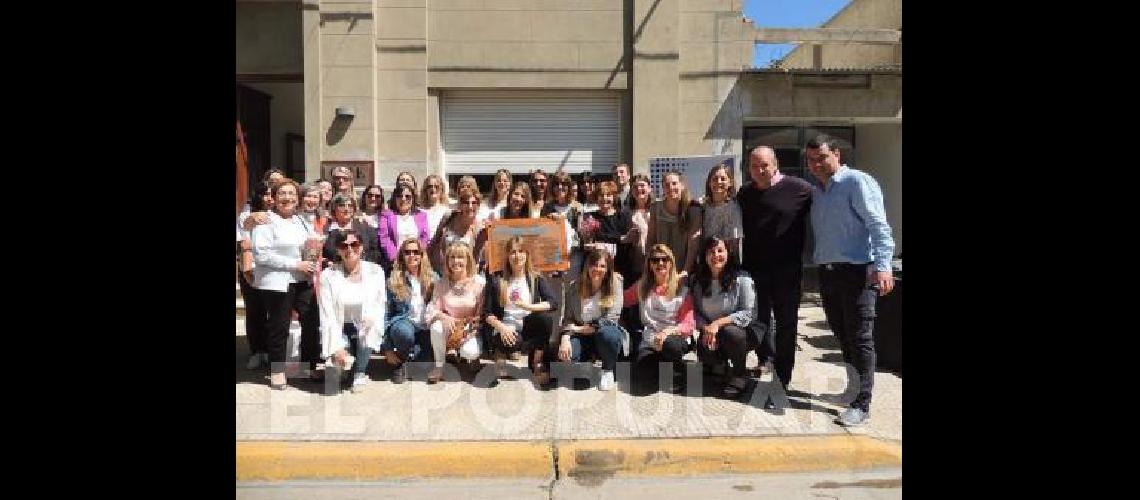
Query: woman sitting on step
[519, 307]
[590, 318]
[353, 297]
[724, 304]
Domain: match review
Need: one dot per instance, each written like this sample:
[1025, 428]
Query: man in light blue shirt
[853, 247]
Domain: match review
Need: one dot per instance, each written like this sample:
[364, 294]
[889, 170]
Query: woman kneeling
[725, 304]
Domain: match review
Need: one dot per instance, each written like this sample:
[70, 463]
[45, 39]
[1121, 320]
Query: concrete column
[311, 42]
[655, 100]
[346, 79]
[401, 90]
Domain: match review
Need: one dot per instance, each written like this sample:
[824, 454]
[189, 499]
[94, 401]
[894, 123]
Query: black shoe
[400, 374]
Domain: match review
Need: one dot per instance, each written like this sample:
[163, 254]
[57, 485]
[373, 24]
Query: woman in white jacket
[352, 304]
[284, 280]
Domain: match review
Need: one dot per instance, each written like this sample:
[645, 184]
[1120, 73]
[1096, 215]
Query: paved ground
[516, 410]
[879, 484]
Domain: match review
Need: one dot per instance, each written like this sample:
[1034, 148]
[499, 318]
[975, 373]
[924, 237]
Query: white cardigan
[332, 284]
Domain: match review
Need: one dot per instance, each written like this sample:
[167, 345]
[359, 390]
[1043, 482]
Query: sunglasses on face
[405, 196]
[412, 252]
[353, 244]
[659, 260]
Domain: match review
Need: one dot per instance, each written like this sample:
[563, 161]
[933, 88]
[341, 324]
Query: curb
[583, 460]
[674, 457]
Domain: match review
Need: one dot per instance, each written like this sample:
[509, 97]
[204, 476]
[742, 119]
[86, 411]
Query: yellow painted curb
[279, 461]
[724, 455]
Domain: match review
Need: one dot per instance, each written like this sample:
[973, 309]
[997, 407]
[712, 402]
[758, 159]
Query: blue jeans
[606, 343]
[358, 348]
[406, 341]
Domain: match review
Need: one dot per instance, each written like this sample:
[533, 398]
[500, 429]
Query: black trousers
[778, 290]
[849, 303]
[299, 296]
[732, 345]
[536, 330]
[672, 350]
[256, 319]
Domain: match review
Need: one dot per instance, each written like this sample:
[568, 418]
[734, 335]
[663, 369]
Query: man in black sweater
[774, 209]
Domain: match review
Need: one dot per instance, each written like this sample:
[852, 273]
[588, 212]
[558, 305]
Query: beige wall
[879, 153]
[390, 59]
[714, 49]
[268, 38]
[857, 14]
[286, 115]
[800, 96]
[400, 48]
[345, 60]
[570, 44]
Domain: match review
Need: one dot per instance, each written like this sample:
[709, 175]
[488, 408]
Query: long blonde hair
[459, 247]
[398, 280]
[648, 278]
[508, 271]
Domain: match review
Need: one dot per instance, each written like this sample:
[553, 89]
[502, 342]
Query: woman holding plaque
[455, 309]
[519, 307]
[284, 280]
[563, 208]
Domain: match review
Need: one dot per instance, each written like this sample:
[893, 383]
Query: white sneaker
[607, 382]
[254, 362]
[359, 381]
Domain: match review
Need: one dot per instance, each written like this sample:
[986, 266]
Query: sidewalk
[638, 433]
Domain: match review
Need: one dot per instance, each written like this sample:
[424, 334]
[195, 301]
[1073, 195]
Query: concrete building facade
[455, 87]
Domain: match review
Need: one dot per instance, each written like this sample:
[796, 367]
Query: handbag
[462, 328]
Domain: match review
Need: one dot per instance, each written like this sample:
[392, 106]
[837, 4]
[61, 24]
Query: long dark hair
[257, 203]
[704, 272]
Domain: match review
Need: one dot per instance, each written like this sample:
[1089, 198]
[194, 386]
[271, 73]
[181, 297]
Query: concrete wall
[286, 115]
[807, 96]
[401, 50]
[879, 153]
[346, 61]
[714, 49]
[677, 62]
[857, 14]
[570, 44]
[268, 38]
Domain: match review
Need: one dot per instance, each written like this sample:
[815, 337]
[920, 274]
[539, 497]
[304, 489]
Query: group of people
[649, 279]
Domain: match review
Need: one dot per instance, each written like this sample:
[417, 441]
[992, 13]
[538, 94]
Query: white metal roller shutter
[521, 130]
